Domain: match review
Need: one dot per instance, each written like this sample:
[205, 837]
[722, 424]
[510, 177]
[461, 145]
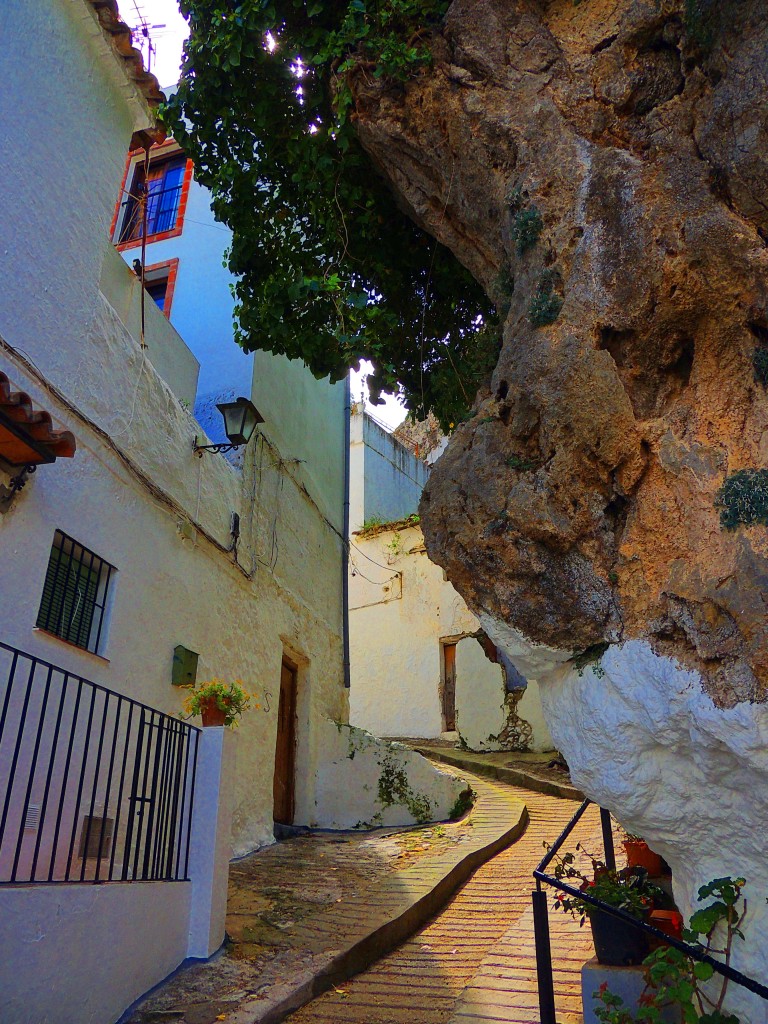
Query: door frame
[288, 663]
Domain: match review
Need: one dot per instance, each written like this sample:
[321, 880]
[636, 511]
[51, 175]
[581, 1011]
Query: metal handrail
[77, 762]
[541, 921]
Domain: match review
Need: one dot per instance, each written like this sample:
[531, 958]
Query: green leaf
[702, 971]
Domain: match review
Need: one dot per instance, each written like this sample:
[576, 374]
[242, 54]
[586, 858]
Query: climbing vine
[327, 268]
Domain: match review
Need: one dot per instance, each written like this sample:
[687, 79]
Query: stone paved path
[317, 908]
[475, 962]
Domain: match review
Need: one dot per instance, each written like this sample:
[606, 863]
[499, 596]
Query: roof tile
[16, 408]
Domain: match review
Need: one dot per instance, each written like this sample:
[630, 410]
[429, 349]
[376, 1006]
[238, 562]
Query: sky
[168, 30]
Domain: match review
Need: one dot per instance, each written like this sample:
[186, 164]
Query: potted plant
[617, 942]
[640, 855]
[218, 703]
[678, 986]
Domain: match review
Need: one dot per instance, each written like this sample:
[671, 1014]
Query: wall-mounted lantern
[241, 418]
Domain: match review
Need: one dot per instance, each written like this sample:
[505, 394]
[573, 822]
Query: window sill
[159, 236]
[75, 647]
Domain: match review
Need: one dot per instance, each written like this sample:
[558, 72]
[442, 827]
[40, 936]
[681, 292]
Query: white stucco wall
[481, 713]
[137, 496]
[386, 479]
[169, 590]
[65, 130]
[367, 782]
[226, 371]
[128, 937]
[400, 607]
[165, 348]
[487, 716]
[173, 586]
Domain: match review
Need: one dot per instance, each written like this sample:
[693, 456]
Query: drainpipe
[345, 530]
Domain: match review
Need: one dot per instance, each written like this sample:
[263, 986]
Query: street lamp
[241, 418]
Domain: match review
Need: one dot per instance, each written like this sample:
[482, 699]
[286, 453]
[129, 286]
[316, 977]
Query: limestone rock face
[578, 503]
[600, 167]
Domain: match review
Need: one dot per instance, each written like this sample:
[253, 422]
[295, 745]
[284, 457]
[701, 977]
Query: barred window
[75, 594]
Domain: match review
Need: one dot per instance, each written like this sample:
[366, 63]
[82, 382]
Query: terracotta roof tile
[21, 423]
[120, 36]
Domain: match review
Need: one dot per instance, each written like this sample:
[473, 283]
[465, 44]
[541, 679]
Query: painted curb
[360, 954]
[513, 776]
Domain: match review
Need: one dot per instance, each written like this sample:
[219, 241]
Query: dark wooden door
[449, 687]
[285, 750]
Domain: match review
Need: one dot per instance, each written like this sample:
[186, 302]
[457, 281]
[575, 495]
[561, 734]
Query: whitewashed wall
[366, 782]
[400, 609]
[487, 718]
[226, 370]
[173, 586]
[123, 932]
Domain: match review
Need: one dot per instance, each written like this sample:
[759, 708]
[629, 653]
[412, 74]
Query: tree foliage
[328, 268]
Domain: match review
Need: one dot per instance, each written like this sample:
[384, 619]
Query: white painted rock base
[643, 739]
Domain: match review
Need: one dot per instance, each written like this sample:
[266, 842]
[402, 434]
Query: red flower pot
[212, 713]
[639, 855]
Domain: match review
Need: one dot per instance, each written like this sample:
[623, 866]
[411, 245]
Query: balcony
[166, 349]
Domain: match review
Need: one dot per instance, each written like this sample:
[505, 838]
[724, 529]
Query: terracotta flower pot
[211, 713]
[639, 855]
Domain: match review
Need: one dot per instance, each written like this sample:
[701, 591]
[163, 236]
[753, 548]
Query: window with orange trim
[160, 281]
[162, 187]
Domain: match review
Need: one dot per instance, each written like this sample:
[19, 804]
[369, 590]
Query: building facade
[132, 563]
[420, 663]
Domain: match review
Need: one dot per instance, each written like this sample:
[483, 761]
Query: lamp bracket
[16, 484]
[198, 449]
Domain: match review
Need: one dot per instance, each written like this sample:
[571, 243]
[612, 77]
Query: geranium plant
[628, 890]
[230, 698]
[673, 978]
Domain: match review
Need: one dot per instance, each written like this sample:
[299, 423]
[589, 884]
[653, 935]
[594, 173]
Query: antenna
[142, 35]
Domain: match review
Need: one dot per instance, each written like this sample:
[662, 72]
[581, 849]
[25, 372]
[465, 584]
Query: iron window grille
[75, 594]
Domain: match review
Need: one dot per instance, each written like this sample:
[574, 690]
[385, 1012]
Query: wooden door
[449, 687]
[285, 750]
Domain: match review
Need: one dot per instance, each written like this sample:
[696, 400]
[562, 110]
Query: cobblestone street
[475, 961]
[307, 913]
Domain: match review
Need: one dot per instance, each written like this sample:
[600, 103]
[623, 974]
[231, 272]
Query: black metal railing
[94, 786]
[541, 921]
[162, 208]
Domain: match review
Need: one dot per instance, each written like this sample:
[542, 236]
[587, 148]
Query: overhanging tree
[328, 268]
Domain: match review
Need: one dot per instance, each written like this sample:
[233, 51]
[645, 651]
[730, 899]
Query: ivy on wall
[328, 269]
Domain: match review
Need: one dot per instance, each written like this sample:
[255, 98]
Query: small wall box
[184, 671]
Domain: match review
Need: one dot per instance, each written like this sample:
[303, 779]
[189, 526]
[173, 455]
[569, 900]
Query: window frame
[159, 152]
[62, 595]
[166, 271]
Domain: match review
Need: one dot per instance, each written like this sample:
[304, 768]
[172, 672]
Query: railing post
[543, 957]
[211, 848]
[607, 826]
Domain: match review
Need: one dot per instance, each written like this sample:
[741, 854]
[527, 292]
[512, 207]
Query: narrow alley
[376, 905]
[475, 960]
